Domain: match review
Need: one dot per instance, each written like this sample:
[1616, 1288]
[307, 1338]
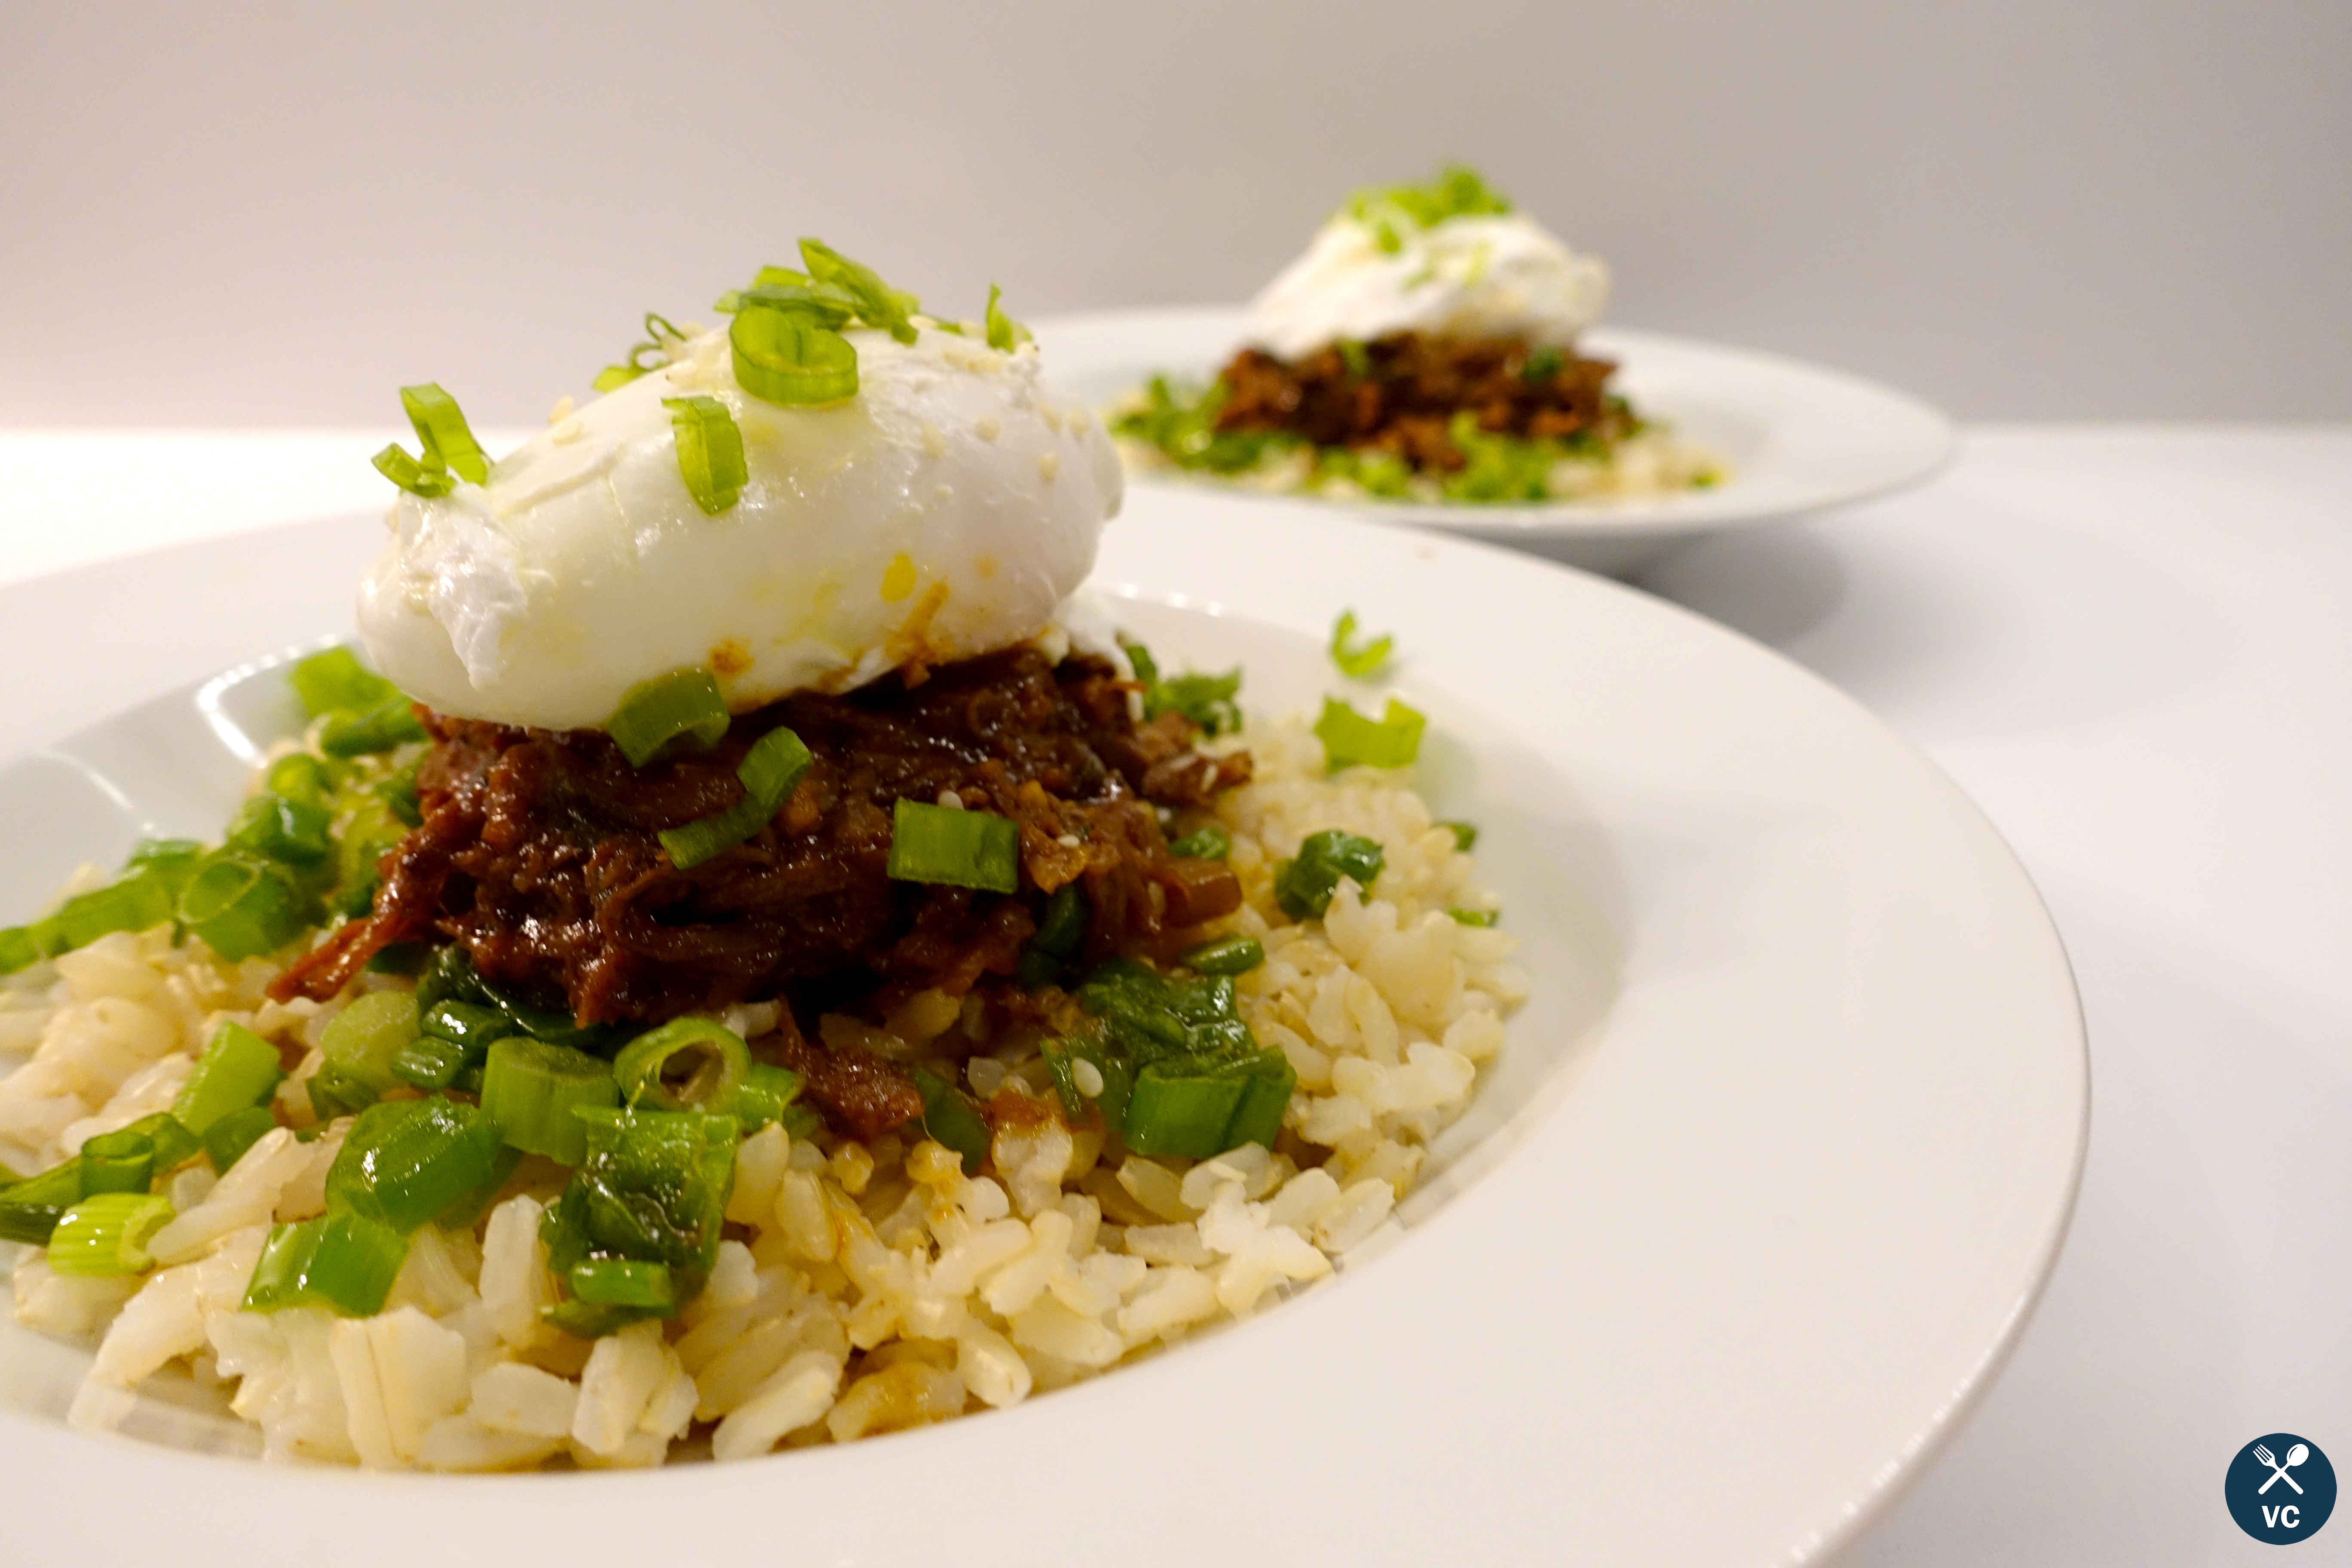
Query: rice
[863, 1287]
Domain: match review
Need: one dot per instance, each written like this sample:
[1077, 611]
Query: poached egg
[951, 508]
[1484, 276]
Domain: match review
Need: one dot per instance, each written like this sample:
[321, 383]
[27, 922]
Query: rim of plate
[1716, 1303]
[1817, 437]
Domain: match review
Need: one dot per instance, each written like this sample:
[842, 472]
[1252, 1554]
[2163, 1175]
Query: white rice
[865, 1286]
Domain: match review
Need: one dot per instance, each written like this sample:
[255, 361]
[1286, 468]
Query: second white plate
[1797, 438]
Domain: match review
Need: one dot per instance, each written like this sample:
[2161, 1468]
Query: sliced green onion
[786, 358]
[173, 1143]
[949, 1119]
[1359, 362]
[226, 1141]
[1065, 925]
[273, 827]
[18, 950]
[242, 907]
[1351, 740]
[120, 1161]
[1465, 833]
[1206, 700]
[357, 1049]
[654, 1187]
[336, 679]
[768, 1095]
[1207, 842]
[1227, 955]
[135, 903]
[469, 1210]
[1356, 660]
[107, 1236]
[1267, 1081]
[879, 305]
[709, 451]
[1475, 917]
[531, 1089]
[1197, 1114]
[1542, 366]
[687, 1064]
[238, 1070]
[625, 1282]
[1004, 333]
[390, 723]
[1304, 886]
[345, 1262]
[769, 772]
[957, 849]
[654, 712]
[430, 1063]
[442, 430]
[826, 304]
[407, 1162]
[30, 1209]
[417, 478]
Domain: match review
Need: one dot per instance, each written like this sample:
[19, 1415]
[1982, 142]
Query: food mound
[761, 963]
[1423, 348]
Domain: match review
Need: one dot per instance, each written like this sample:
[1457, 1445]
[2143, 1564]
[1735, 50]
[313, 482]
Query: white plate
[1799, 439]
[1732, 1256]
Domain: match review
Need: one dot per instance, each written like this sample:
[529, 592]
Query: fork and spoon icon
[2294, 1457]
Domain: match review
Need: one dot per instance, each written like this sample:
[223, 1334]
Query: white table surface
[2134, 647]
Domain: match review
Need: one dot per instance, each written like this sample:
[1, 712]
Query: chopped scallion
[406, 1162]
[107, 1236]
[531, 1088]
[625, 1282]
[949, 1119]
[785, 357]
[1465, 833]
[226, 1141]
[242, 907]
[357, 1049]
[238, 1070]
[653, 713]
[1207, 842]
[687, 1064]
[1004, 334]
[768, 1095]
[1359, 661]
[1351, 740]
[336, 679]
[1474, 916]
[879, 306]
[345, 1262]
[1304, 886]
[769, 772]
[1234, 954]
[120, 1162]
[958, 848]
[395, 464]
[709, 451]
[441, 430]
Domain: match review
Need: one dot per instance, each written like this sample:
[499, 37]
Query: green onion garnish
[409, 1161]
[118, 1161]
[30, 1209]
[1304, 886]
[1543, 364]
[345, 1262]
[1004, 333]
[379, 728]
[785, 357]
[1206, 700]
[1061, 1058]
[709, 451]
[226, 1141]
[654, 712]
[1198, 1114]
[768, 1095]
[653, 1188]
[1351, 740]
[172, 1144]
[430, 1063]
[356, 1051]
[240, 1069]
[442, 431]
[879, 306]
[768, 773]
[1358, 360]
[647, 1288]
[417, 478]
[135, 903]
[270, 826]
[949, 1118]
[1234, 954]
[659, 333]
[1065, 925]
[18, 950]
[1474, 916]
[108, 1235]
[1457, 192]
[1465, 833]
[957, 849]
[531, 1089]
[1207, 842]
[687, 1064]
[1357, 661]
[334, 680]
[242, 907]
[464, 1023]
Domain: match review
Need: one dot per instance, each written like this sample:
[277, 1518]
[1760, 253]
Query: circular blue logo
[2280, 1489]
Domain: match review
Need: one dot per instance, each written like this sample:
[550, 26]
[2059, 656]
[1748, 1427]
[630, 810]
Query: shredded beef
[1410, 386]
[538, 852]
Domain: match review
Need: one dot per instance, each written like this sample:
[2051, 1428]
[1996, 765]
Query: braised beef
[1401, 392]
[538, 852]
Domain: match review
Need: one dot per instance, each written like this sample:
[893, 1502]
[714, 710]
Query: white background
[253, 215]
